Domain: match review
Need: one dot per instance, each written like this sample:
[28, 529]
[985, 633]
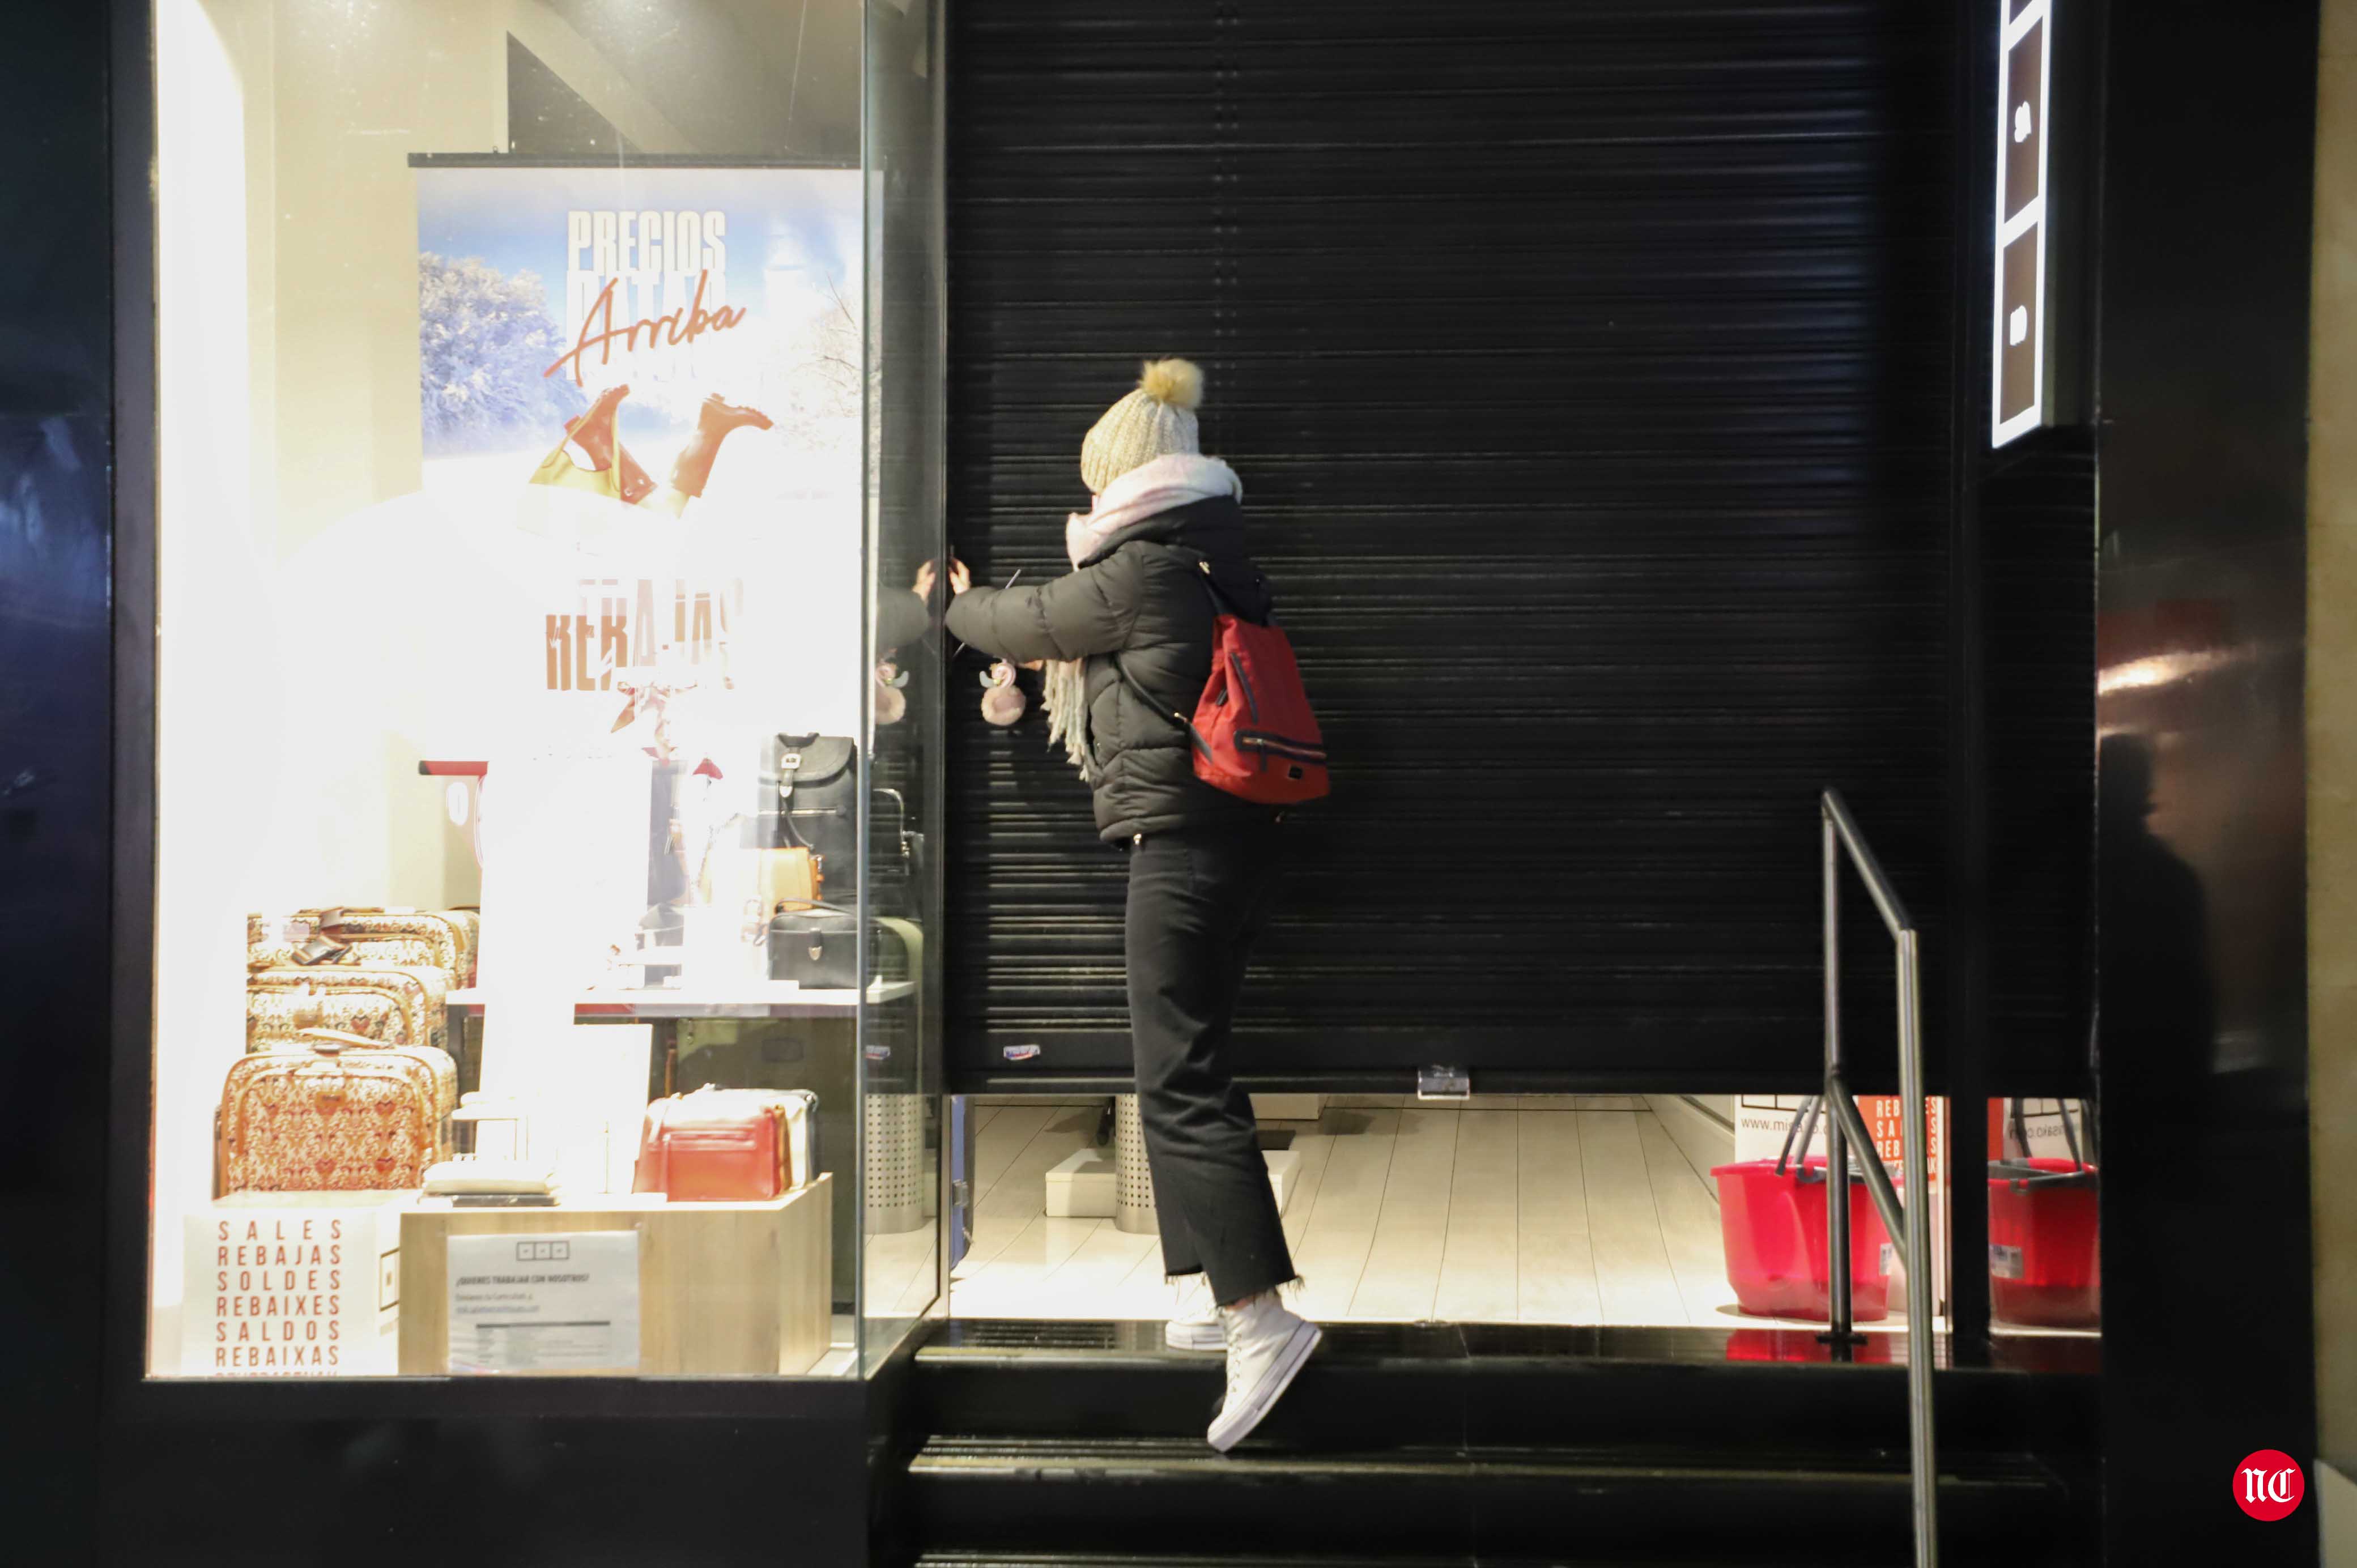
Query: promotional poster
[652, 377]
[639, 391]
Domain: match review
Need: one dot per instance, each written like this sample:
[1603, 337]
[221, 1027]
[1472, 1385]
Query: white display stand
[293, 1285]
[1082, 1188]
[1088, 1185]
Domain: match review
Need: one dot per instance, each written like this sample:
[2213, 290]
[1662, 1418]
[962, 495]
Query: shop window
[546, 694]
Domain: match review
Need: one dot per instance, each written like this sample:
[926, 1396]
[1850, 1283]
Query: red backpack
[1254, 733]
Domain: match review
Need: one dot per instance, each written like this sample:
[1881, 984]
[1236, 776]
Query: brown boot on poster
[593, 432]
[713, 423]
[636, 483]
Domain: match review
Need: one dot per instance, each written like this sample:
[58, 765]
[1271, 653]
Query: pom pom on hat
[1153, 420]
[1178, 383]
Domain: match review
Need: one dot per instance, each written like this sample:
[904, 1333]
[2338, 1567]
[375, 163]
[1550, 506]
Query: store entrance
[1536, 1208]
[1525, 1208]
[1543, 1209]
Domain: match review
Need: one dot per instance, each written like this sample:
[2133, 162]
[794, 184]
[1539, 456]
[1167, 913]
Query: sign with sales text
[308, 1291]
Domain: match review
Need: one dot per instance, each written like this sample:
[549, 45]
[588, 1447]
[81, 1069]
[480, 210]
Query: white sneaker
[1194, 1317]
[1266, 1346]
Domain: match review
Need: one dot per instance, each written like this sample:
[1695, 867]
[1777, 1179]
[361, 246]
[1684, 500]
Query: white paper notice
[544, 1303]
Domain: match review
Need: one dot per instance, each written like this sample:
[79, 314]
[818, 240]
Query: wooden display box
[725, 1289]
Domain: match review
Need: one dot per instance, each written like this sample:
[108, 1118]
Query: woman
[1128, 638]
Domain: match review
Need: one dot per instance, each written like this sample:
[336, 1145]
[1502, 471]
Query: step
[1620, 1503]
[1318, 1560]
[961, 1558]
[1436, 1385]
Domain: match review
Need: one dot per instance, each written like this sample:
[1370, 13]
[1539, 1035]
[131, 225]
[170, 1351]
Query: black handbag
[810, 799]
[817, 947]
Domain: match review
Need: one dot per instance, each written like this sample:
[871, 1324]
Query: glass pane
[525, 926]
[906, 288]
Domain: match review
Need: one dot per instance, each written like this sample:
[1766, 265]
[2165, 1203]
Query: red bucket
[1774, 1229]
[2045, 1267]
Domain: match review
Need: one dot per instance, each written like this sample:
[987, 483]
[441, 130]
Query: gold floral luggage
[335, 1112]
[395, 1005]
[446, 939]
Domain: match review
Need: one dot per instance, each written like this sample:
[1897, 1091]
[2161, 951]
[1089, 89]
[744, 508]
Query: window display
[542, 691]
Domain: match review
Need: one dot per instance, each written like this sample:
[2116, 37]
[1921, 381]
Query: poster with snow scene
[647, 381]
[641, 394]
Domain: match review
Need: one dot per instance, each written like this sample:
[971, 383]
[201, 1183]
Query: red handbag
[726, 1145]
[1253, 733]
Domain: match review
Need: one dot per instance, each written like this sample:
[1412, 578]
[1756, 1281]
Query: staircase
[1080, 1445]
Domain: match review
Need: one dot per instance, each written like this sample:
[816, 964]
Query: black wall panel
[2037, 519]
[2202, 909]
[1588, 367]
[56, 455]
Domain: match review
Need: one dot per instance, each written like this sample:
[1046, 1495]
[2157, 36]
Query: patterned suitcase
[275, 997]
[276, 1016]
[439, 939]
[435, 1072]
[338, 1113]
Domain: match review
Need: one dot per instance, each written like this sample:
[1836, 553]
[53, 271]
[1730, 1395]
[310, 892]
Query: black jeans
[1198, 897]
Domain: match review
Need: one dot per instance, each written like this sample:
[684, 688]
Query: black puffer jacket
[1141, 597]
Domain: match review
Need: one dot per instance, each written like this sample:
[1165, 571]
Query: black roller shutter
[1588, 367]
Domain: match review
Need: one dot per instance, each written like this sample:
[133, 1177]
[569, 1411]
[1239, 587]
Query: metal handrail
[1911, 1220]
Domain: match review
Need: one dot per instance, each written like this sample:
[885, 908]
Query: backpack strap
[1221, 603]
[1194, 736]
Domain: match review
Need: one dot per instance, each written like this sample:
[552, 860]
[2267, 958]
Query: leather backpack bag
[810, 803]
[1253, 733]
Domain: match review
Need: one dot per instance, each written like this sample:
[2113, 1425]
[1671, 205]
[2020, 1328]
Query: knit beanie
[1153, 420]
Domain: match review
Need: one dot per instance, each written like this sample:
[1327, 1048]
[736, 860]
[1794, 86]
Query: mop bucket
[1771, 1217]
[2045, 1266]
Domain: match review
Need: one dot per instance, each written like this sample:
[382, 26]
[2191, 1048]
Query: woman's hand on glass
[923, 586]
[960, 578]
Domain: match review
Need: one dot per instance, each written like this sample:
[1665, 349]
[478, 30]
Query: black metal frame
[132, 996]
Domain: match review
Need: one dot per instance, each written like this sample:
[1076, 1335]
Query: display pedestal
[724, 1288]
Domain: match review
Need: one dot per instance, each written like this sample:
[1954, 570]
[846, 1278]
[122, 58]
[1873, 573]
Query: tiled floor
[1543, 1209]
[900, 1271]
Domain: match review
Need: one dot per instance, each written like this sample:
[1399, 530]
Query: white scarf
[1180, 478]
